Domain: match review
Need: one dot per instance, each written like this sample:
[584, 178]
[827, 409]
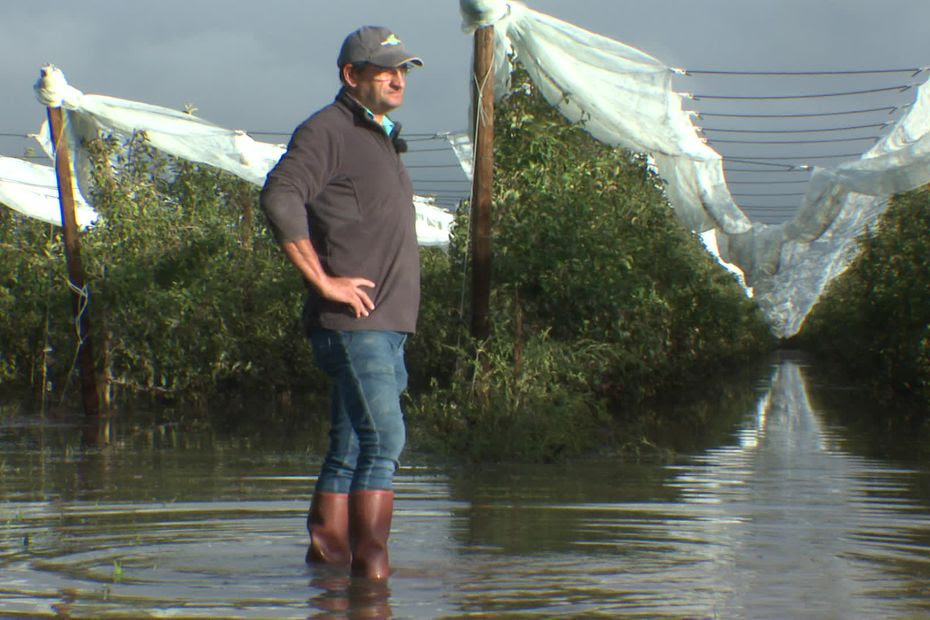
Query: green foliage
[875, 318]
[32, 293]
[599, 295]
[600, 299]
[189, 298]
[588, 240]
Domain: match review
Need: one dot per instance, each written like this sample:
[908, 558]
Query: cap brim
[395, 58]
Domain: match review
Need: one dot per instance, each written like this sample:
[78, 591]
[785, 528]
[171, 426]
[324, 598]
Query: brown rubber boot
[369, 527]
[328, 523]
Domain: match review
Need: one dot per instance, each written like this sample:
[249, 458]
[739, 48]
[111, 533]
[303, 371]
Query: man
[341, 205]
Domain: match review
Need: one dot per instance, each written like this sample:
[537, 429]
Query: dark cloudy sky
[264, 66]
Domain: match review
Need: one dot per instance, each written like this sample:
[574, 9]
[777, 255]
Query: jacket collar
[362, 114]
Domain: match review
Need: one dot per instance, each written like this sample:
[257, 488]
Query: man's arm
[345, 290]
[300, 174]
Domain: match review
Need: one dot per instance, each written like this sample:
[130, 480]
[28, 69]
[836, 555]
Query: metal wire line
[890, 109]
[715, 141]
[435, 166]
[868, 91]
[785, 168]
[26, 183]
[752, 194]
[462, 180]
[912, 70]
[28, 156]
[769, 208]
[833, 156]
[766, 182]
[815, 130]
[418, 150]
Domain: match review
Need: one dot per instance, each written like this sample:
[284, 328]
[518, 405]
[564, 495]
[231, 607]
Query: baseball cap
[376, 45]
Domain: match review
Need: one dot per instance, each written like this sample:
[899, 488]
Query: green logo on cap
[391, 40]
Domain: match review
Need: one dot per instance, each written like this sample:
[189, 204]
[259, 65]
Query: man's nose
[398, 78]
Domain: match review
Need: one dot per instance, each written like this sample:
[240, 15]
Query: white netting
[625, 98]
[176, 133]
[32, 190]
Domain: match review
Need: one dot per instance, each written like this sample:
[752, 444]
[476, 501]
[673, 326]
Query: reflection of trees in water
[887, 430]
[792, 513]
[533, 508]
[775, 521]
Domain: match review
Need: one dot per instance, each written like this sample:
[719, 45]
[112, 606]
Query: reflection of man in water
[341, 205]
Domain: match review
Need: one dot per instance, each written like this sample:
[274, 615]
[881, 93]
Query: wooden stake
[85, 358]
[482, 179]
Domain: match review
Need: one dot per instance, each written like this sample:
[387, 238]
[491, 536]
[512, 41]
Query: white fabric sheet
[624, 97]
[32, 190]
[181, 135]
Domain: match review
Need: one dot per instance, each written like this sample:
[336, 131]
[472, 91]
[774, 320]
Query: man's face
[380, 89]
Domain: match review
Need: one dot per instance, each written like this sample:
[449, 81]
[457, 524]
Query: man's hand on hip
[349, 291]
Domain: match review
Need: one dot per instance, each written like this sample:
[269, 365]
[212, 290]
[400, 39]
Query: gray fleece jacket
[342, 184]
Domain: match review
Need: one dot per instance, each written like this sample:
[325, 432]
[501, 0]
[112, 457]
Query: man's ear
[348, 76]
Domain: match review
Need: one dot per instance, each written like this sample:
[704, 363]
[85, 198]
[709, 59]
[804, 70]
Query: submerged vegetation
[874, 320]
[601, 300]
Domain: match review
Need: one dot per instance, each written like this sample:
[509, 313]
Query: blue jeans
[367, 432]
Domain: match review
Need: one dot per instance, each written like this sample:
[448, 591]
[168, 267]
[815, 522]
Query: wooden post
[482, 178]
[85, 357]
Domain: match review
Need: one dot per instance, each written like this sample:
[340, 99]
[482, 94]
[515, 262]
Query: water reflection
[342, 597]
[779, 520]
[787, 513]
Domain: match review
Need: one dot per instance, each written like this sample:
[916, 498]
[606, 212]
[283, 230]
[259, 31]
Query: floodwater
[785, 514]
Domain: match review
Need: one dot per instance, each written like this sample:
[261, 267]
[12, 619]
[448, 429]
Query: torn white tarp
[434, 224]
[185, 136]
[176, 133]
[624, 97]
[32, 190]
[790, 264]
[709, 240]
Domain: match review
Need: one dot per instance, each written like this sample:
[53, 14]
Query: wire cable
[462, 180]
[714, 141]
[28, 156]
[836, 156]
[765, 182]
[423, 138]
[786, 168]
[435, 166]
[912, 70]
[889, 109]
[754, 195]
[414, 151]
[868, 91]
[770, 208]
[817, 130]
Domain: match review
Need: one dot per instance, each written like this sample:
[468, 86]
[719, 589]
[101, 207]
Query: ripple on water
[778, 523]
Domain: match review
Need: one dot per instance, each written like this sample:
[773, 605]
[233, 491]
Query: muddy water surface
[783, 518]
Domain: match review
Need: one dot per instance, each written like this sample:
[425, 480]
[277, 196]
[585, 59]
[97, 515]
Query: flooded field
[784, 518]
